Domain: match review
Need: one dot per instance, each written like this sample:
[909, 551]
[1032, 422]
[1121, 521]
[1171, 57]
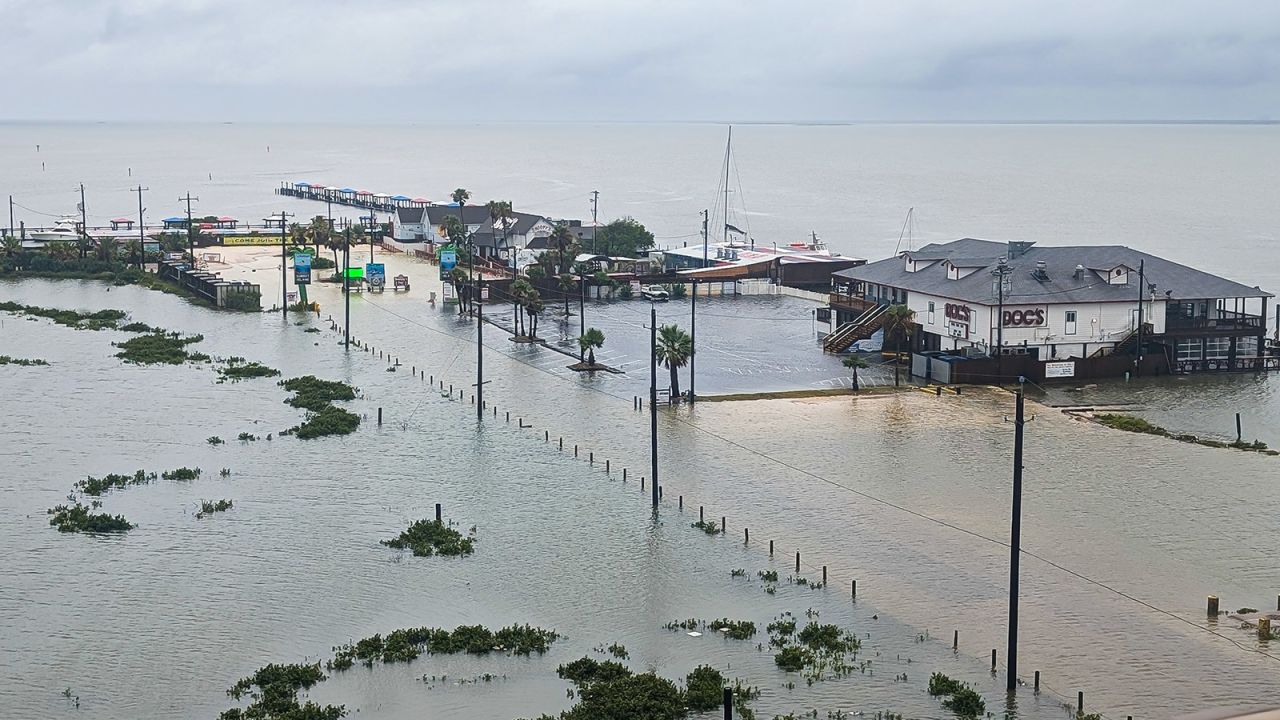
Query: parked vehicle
[656, 293]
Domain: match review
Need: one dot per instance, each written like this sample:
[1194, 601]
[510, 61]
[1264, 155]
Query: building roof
[410, 215]
[1060, 263]
[471, 214]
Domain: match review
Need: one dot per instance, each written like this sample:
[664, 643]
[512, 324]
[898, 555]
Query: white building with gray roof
[1056, 303]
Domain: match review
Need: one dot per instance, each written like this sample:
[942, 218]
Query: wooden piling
[561, 443]
[746, 536]
[1264, 628]
[1080, 702]
[770, 548]
[379, 416]
[824, 574]
[1037, 687]
[641, 483]
[955, 644]
[1212, 606]
[624, 474]
[606, 467]
[701, 514]
[546, 436]
[591, 457]
[797, 561]
[993, 659]
[439, 510]
[853, 589]
[724, 524]
[728, 703]
[575, 451]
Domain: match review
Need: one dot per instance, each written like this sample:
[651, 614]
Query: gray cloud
[514, 60]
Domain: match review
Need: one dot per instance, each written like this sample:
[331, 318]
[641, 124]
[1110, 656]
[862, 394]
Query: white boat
[64, 230]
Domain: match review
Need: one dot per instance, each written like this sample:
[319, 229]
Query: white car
[655, 292]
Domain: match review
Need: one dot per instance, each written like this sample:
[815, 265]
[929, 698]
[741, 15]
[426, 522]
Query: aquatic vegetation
[704, 688]
[182, 473]
[709, 528]
[737, 573]
[208, 507]
[829, 638]
[224, 472]
[690, 624]
[276, 695]
[407, 644]
[432, 537]
[312, 393]
[329, 420]
[940, 684]
[769, 576]
[100, 320]
[966, 703]
[78, 518]
[312, 330]
[139, 327]
[734, 629]
[1246, 610]
[160, 348]
[1130, 423]
[619, 650]
[783, 627]
[246, 437]
[236, 369]
[635, 696]
[792, 658]
[245, 301]
[100, 486]
[585, 671]
[215, 440]
[24, 362]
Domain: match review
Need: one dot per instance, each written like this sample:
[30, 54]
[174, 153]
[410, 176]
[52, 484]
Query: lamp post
[1015, 541]
[653, 399]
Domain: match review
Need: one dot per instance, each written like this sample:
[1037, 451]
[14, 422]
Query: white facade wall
[1097, 325]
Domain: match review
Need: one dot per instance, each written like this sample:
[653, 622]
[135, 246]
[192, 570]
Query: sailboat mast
[727, 147]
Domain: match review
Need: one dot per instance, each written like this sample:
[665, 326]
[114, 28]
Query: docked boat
[64, 230]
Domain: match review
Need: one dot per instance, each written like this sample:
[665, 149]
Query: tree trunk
[675, 383]
[591, 356]
[897, 360]
[855, 379]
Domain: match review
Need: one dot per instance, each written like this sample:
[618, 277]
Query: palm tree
[134, 250]
[566, 283]
[855, 363]
[337, 242]
[562, 238]
[534, 308]
[12, 246]
[897, 321]
[500, 214]
[521, 293]
[590, 340]
[673, 351]
[460, 281]
[317, 232]
[297, 234]
[108, 249]
[62, 250]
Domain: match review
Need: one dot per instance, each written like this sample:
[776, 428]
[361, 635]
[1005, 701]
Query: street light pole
[653, 399]
[346, 291]
[582, 308]
[284, 265]
[1015, 542]
[479, 350]
[142, 235]
[693, 341]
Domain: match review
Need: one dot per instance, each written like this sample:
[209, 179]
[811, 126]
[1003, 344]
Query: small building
[121, 224]
[806, 266]
[978, 298]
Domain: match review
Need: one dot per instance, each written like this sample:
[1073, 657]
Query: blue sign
[376, 275]
[448, 261]
[302, 268]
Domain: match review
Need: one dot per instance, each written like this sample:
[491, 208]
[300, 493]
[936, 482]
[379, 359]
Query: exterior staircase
[1126, 345]
[860, 328]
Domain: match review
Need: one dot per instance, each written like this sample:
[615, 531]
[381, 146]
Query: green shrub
[636, 696]
[585, 671]
[97, 487]
[329, 420]
[78, 518]
[208, 507]
[276, 695]
[182, 473]
[940, 684]
[159, 348]
[735, 629]
[966, 703]
[237, 369]
[1130, 423]
[312, 393]
[243, 300]
[432, 537]
[704, 688]
[792, 658]
[24, 362]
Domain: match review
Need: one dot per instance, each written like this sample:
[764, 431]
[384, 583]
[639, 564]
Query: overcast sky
[715, 60]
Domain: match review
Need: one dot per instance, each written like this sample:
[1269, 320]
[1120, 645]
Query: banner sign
[1059, 369]
[249, 239]
[448, 261]
[302, 268]
[355, 273]
[376, 274]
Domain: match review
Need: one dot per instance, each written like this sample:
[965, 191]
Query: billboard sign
[376, 274]
[1059, 369]
[448, 261]
[302, 268]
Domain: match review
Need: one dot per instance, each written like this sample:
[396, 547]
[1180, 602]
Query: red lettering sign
[1023, 317]
[959, 313]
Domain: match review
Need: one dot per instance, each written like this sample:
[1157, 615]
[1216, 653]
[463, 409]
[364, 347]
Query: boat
[65, 229]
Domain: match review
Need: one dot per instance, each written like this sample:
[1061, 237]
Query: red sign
[1023, 317]
[959, 313]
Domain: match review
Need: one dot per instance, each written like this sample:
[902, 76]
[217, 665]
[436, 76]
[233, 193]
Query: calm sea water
[907, 494]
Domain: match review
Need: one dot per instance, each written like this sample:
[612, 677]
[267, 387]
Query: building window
[1218, 348]
[930, 312]
[1070, 328]
[1189, 349]
[1247, 347]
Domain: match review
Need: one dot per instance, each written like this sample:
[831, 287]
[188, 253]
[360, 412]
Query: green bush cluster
[734, 629]
[960, 698]
[182, 473]
[235, 369]
[312, 393]
[329, 420]
[407, 644]
[209, 507]
[100, 486]
[100, 320]
[432, 537]
[1131, 423]
[585, 671]
[243, 300]
[24, 362]
[79, 518]
[276, 695]
[160, 347]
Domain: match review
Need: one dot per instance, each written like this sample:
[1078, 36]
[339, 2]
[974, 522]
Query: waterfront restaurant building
[1057, 304]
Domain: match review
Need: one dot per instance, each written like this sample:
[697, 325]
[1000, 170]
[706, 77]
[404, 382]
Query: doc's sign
[1028, 317]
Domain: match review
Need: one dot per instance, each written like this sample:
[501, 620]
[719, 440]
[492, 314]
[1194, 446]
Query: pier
[351, 197]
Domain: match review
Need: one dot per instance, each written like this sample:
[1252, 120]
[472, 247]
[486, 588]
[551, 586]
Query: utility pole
[191, 229]
[693, 340]
[346, 291]
[373, 225]
[479, 350]
[10, 216]
[595, 202]
[1001, 271]
[284, 262]
[582, 307]
[1015, 539]
[653, 399]
[705, 261]
[142, 235]
[1137, 348]
[84, 225]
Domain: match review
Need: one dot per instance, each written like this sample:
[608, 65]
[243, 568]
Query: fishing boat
[66, 229]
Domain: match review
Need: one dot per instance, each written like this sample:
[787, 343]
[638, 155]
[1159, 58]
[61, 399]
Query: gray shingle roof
[1062, 286]
[409, 215]
[471, 214]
